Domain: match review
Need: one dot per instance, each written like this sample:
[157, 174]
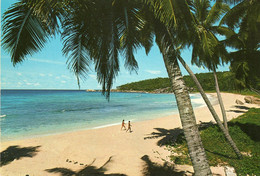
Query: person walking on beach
[123, 125]
[129, 127]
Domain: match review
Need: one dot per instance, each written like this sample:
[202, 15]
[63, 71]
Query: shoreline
[98, 126]
[108, 147]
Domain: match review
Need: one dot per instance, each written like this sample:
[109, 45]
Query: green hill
[226, 83]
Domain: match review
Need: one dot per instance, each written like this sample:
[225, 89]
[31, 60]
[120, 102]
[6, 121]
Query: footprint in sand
[75, 162]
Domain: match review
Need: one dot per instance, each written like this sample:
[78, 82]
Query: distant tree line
[226, 83]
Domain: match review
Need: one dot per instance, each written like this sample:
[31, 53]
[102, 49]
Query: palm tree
[170, 56]
[97, 31]
[181, 37]
[245, 60]
[207, 49]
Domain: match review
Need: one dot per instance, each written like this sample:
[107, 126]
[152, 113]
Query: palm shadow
[239, 109]
[16, 152]
[169, 136]
[89, 170]
[242, 107]
[154, 169]
[252, 130]
[220, 154]
[236, 111]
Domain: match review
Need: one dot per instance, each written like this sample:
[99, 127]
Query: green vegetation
[147, 85]
[226, 83]
[244, 130]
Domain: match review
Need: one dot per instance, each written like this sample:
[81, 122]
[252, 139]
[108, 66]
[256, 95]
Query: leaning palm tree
[208, 51]
[170, 57]
[182, 37]
[97, 32]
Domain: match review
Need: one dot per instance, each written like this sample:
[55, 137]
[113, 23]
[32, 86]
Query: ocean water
[30, 113]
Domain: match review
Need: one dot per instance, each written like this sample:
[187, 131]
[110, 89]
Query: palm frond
[201, 10]
[234, 15]
[130, 25]
[147, 31]
[216, 12]
[172, 12]
[79, 39]
[52, 12]
[222, 30]
[110, 44]
[230, 1]
[23, 33]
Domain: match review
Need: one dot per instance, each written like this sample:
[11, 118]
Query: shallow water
[29, 113]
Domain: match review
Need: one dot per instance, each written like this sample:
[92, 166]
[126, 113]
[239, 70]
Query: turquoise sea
[30, 113]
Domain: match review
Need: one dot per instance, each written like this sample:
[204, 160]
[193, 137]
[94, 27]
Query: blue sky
[47, 69]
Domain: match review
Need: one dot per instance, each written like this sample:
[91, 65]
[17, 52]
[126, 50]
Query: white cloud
[41, 74]
[93, 76]
[47, 61]
[19, 74]
[64, 76]
[154, 72]
[36, 84]
[19, 83]
[50, 75]
[63, 82]
[57, 77]
[28, 84]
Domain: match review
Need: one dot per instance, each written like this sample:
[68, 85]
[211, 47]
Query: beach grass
[245, 132]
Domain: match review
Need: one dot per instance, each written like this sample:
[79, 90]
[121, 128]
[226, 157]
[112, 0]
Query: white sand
[121, 152]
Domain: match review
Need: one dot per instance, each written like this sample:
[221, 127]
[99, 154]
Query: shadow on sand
[236, 111]
[87, 170]
[16, 152]
[239, 109]
[242, 107]
[169, 136]
[154, 169]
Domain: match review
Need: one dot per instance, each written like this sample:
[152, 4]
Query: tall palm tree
[170, 55]
[208, 51]
[191, 132]
[182, 37]
[97, 31]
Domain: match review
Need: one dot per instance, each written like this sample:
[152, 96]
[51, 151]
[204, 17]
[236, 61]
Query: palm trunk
[220, 101]
[191, 132]
[212, 110]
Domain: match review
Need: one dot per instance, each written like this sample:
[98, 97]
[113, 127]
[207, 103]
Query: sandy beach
[106, 151]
